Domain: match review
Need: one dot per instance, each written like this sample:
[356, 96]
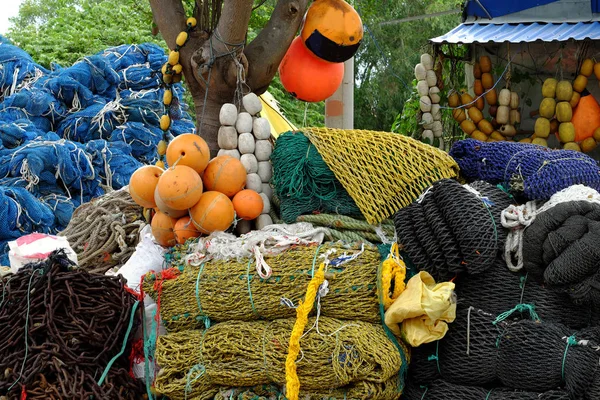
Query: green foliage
[383, 82]
[63, 31]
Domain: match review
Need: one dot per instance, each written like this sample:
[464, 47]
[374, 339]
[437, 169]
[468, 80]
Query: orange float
[184, 229]
[248, 204]
[189, 150]
[225, 174]
[162, 229]
[163, 208]
[142, 185]
[307, 77]
[214, 212]
[586, 117]
[180, 187]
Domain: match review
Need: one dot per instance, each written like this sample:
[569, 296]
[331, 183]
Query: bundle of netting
[453, 228]
[234, 290]
[499, 290]
[335, 354]
[70, 134]
[304, 183]
[66, 334]
[559, 249]
[484, 349]
[534, 171]
[388, 390]
[348, 229]
[105, 232]
[441, 390]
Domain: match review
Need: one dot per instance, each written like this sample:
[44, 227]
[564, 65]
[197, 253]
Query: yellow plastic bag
[424, 309]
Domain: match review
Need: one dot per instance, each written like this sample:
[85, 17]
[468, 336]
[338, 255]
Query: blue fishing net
[94, 122]
[142, 139]
[13, 134]
[15, 67]
[113, 162]
[533, 171]
[143, 110]
[22, 213]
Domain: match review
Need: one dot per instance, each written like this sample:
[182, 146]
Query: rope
[518, 308]
[304, 308]
[571, 341]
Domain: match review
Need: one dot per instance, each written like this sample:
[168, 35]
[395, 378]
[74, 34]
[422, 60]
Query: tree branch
[266, 51]
[233, 24]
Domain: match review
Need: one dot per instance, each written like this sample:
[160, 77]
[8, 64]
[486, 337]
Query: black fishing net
[500, 290]
[441, 390]
[484, 349]
[561, 249]
[453, 228]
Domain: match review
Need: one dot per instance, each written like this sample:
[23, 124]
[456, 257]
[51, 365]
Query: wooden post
[339, 108]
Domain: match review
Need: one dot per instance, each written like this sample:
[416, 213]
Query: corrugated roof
[517, 33]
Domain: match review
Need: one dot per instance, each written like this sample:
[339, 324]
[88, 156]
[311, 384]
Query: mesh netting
[334, 354]
[441, 390]
[561, 248]
[535, 171]
[359, 390]
[483, 348]
[304, 183]
[232, 290]
[381, 171]
[499, 290]
[453, 228]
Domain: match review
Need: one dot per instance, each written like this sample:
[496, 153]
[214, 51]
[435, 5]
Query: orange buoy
[162, 229]
[190, 150]
[248, 204]
[332, 30]
[586, 117]
[307, 77]
[163, 208]
[180, 187]
[142, 185]
[214, 212]
[225, 174]
[184, 230]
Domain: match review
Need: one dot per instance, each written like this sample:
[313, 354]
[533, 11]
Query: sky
[10, 8]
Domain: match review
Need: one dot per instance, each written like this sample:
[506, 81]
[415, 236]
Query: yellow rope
[392, 269]
[304, 308]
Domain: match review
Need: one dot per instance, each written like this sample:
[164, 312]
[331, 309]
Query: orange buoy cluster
[195, 195]
[313, 69]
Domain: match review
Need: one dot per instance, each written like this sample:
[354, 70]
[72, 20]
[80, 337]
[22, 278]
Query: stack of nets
[66, 334]
[104, 232]
[232, 290]
[534, 171]
[303, 182]
[483, 349]
[453, 228]
[349, 229]
[440, 390]
[560, 249]
[353, 359]
[69, 134]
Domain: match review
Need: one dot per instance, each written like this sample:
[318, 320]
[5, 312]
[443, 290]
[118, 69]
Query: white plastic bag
[36, 247]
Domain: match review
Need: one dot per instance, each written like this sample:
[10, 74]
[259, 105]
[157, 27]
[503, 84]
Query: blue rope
[571, 341]
[518, 308]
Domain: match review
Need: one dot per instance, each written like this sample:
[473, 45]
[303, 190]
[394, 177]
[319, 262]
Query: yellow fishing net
[232, 290]
[335, 354]
[381, 171]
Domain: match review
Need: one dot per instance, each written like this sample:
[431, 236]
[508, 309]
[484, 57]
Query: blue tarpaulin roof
[497, 8]
[517, 33]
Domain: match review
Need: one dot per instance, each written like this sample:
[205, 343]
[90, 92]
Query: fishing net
[142, 139]
[233, 290]
[304, 183]
[113, 162]
[534, 171]
[453, 228]
[65, 334]
[16, 66]
[359, 390]
[381, 171]
[499, 290]
[560, 249]
[440, 390]
[335, 354]
[14, 134]
[530, 355]
[341, 227]
[105, 232]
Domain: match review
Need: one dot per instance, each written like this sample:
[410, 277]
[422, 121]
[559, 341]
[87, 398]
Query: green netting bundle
[232, 290]
[335, 354]
[304, 183]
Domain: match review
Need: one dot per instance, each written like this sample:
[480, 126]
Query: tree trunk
[214, 61]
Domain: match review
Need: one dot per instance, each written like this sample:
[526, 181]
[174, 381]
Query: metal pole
[339, 108]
